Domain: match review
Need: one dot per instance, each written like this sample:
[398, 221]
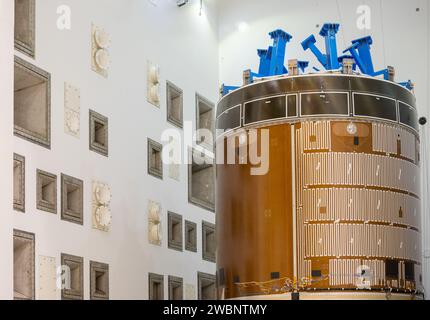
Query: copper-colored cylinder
[338, 212]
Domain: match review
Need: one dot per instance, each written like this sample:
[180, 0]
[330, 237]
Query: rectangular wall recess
[206, 286]
[99, 133]
[175, 231]
[205, 120]
[175, 103]
[72, 192]
[176, 288]
[46, 191]
[23, 265]
[155, 163]
[25, 26]
[156, 286]
[201, 183]
[32, 103]
[73, 272]
[99, 281]
[190, 236]
[208, 242]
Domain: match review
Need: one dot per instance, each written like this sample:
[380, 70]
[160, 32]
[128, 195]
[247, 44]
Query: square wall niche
[46, 191]
[99, 137]
[175, 231]
[32, 103]
[176, 288]
[201, 184]
[73, 285]
[156, 286]
[99, 281]
[208, 241]
[190, 236]
[23, 265]
[206, 286]
[175, 105]
[155, 159]
[205, 119]
[72, 193]
[25, 26]
[19, 183]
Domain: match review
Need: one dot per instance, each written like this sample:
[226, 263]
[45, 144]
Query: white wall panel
[185, 46]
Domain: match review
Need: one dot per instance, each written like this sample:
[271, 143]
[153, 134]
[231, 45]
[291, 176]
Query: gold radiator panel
[345, 272]
[359, 169]
[391, 140]
[316, 135]
[364, 205]
[361, 240]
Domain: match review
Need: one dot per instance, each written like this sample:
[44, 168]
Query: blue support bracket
[383, 72]
[265, 56]
[329, 31]
[330, 59]
[227, 89]
[409, 84]
[303, 65]
[252, 76]
[272, 59]
[360, 50]
[280, 40]
[309, 43]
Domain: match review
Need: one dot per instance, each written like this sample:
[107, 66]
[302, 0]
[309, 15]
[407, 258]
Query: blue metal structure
[330, 59]
[407, 84]
[226, 89]
[272, 60]
[360, 50]
[303, 65]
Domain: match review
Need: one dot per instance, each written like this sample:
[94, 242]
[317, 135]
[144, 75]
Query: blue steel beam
[360, 50]
[280, 40]
[329, 60]
[309, 43]
[264, 55]
[409, 85]
[329, 31]
[227, 89]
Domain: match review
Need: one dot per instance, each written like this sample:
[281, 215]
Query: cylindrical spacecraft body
[337, 212]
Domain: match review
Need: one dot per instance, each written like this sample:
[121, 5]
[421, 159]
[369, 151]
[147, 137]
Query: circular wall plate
[102, 38]
[73, 121]
[103, 216]
[103, 194]
[102, 59]
[155, 233]
[153, 94]
[153, 75]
